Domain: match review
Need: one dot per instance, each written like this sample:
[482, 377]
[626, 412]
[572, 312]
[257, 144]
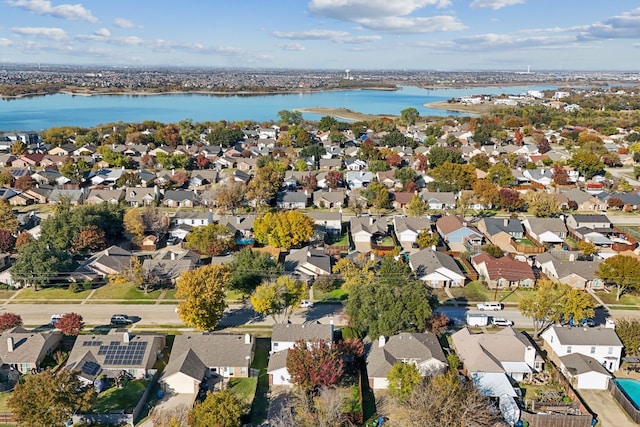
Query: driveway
[608, 412]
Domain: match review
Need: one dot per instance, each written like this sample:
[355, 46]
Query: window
[593, 350]
[610, 350]
[243, 371]
[568, 349]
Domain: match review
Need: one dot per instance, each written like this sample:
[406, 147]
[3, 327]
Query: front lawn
[50, 293]
[124, 292]
[338, 294]
[609, 298]
[119, 399]
[3, 401]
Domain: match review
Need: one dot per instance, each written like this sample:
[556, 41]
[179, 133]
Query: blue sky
[328, 34]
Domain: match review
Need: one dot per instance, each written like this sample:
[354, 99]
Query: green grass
[51, 293]
[123, 302]
[232, 295]
[625, 299]
[124, 292]
[474, 291]
[6, 293]
[244, 389]
[260, 406]
[386, 241]
[116, 399]
[171, 294]
[335, 295]
[3, 401]
[342, 241]
[525, 242]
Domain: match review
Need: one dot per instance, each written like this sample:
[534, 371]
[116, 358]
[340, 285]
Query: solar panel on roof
[90, 368]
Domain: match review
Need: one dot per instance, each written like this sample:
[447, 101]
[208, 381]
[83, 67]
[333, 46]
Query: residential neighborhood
[361, 250]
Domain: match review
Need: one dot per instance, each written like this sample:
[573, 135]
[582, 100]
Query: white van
[55, 318]
[495, 306]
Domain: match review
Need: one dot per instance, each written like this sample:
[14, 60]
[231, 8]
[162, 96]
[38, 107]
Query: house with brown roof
[29, 160]
[504, 272]
[329, 199]
[104, 263]
[401, 199]
[579, 274]
[96, 197]
[196, 356]
[24, 350]
[459, 234]
[422, 350]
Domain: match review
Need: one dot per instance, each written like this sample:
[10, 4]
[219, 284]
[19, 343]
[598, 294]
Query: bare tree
[173, 417]
[155, 220]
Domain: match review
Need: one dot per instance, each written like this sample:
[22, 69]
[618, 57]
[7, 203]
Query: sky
[445, 35]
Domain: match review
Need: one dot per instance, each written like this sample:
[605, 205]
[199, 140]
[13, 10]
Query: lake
[38, 113]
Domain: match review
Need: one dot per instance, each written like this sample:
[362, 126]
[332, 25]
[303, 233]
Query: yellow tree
[203, 291]
[8, 218]
[360, 272]
[278, 299]
[283, 229]
[134, 225]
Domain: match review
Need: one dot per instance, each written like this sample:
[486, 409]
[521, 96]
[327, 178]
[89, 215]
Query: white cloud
[5, 42]
[496, 42]
[397, 24]
[102, 32]
[292, 47]
[125, 23]
[57, 34]
[64, 11]
[625, 26]
[353, 10]
[311, 35]
[493, 4]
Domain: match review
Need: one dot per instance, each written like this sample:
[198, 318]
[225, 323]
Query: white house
[602, 344]
[436, 269]
[408, 228]
[584, 372]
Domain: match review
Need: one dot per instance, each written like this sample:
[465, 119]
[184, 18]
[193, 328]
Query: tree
[176, 416]
[211, 239]
[417, 206]
[409, 116]
[8, 218]
[9, 321]
[438, 323]
[427, 239]
[250, 268]
[283, 229]
[49, 398]
[493, 250]
[465, 202]
[629, 332]
[37, 263]
[7, 241]
[560, 175]
[219, 409]
[510, 200]
[89, 239]
[230, 195]
[360, 271]
[543, 146]
[542, 205]
[327, 123]
[576, 304]
[441, 155]
[402, 379]
[486, 193]
[334, 179]
[443, 401]
[290, 117]
[452, 177]
[155, 221]
[278, 298]
[264, 185]
[500, 174]
[134, 225]
[313, 365]
[396, 139]
[377, 195]
[587, 163]
[204, 293]
[70, 324]
[587, 248]
[405, 175]
[23, 239]
[623, 271]
[24, 183]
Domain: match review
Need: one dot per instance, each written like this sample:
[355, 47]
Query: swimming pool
[627, 392]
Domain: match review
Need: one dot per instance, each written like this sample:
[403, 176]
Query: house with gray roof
[439, 201]
[112, 260]
[584, 372]
[436, 269]
[95, 355]
[141, 196]
[24, 350]
[180, 199]
[292, 199]
[601, 343]
[550, 231]
[196, 356]
[308, 263]
[189, 217]
[329, 199]
[501, 231]
[283, 337]
[75, 197]
[329, 222]
[420, 349]
[580, 274]
[407, 228]
[98, 196]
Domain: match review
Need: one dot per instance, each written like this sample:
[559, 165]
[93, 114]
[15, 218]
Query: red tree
[201, 161]
[24, 183]
[394, 159]
[543, 146]
[180, 178]
[615, 202]
[333, 179]
[23, 239]
[70, 324]
[411, 187]
[510, 200]
[9, 321]
[438, 323]
[352, 347]
[89, 238]
[518, 137]
[421, 162]
[314, 365]
[560, 175]
[7, 241]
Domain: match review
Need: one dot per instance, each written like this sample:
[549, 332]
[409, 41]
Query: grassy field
[115, 399]
[130, 292]
[51, 293]
[609, 298]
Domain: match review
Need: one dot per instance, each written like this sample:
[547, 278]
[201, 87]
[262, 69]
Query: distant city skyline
[444, 35]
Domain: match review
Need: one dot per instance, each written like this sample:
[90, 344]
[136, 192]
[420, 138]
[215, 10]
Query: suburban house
[401, 199]
[591, 221]
[240, 225]
[407, 228]
[550, 231]
[97, 197]
[309, 263]
[436, 269]
[167, 266]
[439, 201]
[458, 234]
[195, 219]
[599, 343]
[364, 228]
[504, 272]
[358, 179]
[328, 222]
[180, 199]
[501, 231]
[583, 200]
[329, 199]
[283, 337]
[74, 197]
[95, 355]
[576, 273]
[141, 196]
[199, 355]
[420, 349]
[584, 372]
[112, 260]
[292, 199]
[24, 350]
[507, 351]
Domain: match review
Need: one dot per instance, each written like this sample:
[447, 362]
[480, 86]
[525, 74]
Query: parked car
[501, 321]
[121, 319]
[306, 303]
[495, 306]
[55, 318]
[172, 240]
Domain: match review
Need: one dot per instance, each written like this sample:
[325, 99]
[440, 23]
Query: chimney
[247, 339]
[506, 222]
[572, 257]
[173, 256]
[125, 337]
[382, 341]
[10, 344]
[370, 220]
[238, 220]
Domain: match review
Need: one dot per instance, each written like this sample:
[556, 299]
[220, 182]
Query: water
[40, 113]
[631, 388]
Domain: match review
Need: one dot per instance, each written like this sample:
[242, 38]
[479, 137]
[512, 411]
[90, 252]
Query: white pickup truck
[495, 306]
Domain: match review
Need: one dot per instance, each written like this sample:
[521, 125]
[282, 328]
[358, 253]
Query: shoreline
[344, 113]
[460, 108]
